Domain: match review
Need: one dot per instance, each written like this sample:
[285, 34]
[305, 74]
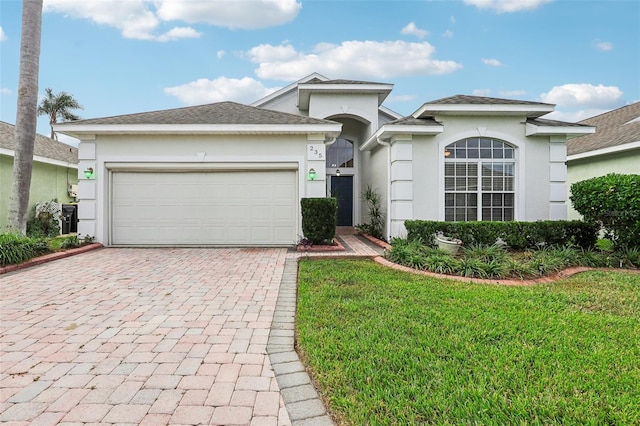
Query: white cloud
[452, 19]
[351, 59]
[144, 19]
[411, 29]
[401, 98]
[492, 62]
[230, 14]
[220, 54]
[583, 95]
[3, 36]
[507, 6]
[447, 34]
[512, 93]
[5, 91]
[604, 45]
[575, 116]
[203, 91]
[481, 92]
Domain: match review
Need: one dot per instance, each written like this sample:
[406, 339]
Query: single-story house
[614, 148]
[228, 174]
[54, 174]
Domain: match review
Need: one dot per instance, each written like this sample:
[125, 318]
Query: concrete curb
[50, 257]
[301, 399]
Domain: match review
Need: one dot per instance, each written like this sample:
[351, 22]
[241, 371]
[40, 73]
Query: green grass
[388, 347]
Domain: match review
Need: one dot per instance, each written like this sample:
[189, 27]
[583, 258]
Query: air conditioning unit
[73, 191]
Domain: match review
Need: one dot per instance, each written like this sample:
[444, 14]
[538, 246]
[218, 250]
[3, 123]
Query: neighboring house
[232, 174]
[54, 174]
[614, 148]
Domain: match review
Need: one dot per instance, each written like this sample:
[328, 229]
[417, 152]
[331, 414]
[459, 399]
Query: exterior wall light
[88, 173]
[338, 172]
[312, 174]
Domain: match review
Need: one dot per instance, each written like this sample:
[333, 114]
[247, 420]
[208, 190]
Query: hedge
[518, 235]
[319, 217]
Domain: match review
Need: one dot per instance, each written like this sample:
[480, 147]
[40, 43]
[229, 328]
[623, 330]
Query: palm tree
[26, 114]
[58, 106]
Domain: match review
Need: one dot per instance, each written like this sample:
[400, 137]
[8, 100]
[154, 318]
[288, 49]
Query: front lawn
[388, 347]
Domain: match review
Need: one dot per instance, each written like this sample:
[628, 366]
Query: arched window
[340, 154]
[479, 180]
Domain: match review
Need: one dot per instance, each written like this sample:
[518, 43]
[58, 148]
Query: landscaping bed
[18, 250]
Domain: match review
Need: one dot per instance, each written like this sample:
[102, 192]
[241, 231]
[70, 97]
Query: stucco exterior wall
[627, 162]
[48, 182]
[190, 152]
[375, 172]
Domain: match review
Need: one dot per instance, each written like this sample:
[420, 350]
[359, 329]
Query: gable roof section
[406, 125]
[617, 130]
[45, 150]
[220, 118]
[481, 105]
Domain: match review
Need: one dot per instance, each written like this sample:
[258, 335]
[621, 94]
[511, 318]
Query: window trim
[519, 168]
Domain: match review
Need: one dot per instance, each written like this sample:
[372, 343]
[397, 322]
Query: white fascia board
[385, 133]
[209, 129]
[305, 91]
[429, 110]
[39, 159]
[390, 112]
[287, 89]
[604, 151]
[569, 131]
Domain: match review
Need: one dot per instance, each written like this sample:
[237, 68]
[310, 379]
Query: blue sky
[124, 56]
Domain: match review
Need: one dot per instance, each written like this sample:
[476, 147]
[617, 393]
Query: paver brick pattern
[142, 336]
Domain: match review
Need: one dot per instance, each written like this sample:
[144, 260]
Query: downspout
[388, 218]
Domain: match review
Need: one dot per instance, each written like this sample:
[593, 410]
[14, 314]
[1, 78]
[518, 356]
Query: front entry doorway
[342, 189]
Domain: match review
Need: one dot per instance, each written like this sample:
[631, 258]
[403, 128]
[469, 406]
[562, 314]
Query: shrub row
[16, 249]
[518, 235]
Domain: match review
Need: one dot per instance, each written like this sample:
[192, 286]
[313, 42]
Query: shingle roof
[217, 113]
[614, 128]
[339, 81]
[43, 147]
[411, 121]
[481, 100]
[554, 123]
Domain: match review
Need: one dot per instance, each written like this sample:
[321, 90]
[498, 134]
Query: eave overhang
[386, 133]
[527, 110]
[532, 129]
[80, 130]
[305, 90]
[604, 151]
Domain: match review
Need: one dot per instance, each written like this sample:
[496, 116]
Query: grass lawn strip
[388, 347]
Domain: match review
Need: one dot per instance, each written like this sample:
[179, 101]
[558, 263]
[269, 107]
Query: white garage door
[204, 208]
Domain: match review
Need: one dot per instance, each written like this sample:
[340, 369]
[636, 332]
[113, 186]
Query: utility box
[69, 218]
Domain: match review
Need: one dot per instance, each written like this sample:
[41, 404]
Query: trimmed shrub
[319, 219]
[518, 235]
[613, 203]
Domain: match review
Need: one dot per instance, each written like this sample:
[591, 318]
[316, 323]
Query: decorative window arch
[340, 154]
[479, 180]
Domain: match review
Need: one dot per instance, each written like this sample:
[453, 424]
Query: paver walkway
[156, 336]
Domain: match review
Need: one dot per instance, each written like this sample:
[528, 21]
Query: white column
[401, 183]
[87, 188]
[558, 178]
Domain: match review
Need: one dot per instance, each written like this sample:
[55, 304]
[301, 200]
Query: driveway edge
[301, 399]
[49, 257]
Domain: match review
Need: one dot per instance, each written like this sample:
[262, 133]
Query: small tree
[375, 214]
[612, 202]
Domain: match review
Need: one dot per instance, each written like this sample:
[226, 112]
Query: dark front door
[342, 189]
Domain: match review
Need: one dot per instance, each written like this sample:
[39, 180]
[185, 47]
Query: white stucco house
[227, 174]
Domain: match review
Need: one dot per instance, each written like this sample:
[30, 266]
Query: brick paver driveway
[141, 336]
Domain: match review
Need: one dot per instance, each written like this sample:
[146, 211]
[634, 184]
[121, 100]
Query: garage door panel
[204, 208]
